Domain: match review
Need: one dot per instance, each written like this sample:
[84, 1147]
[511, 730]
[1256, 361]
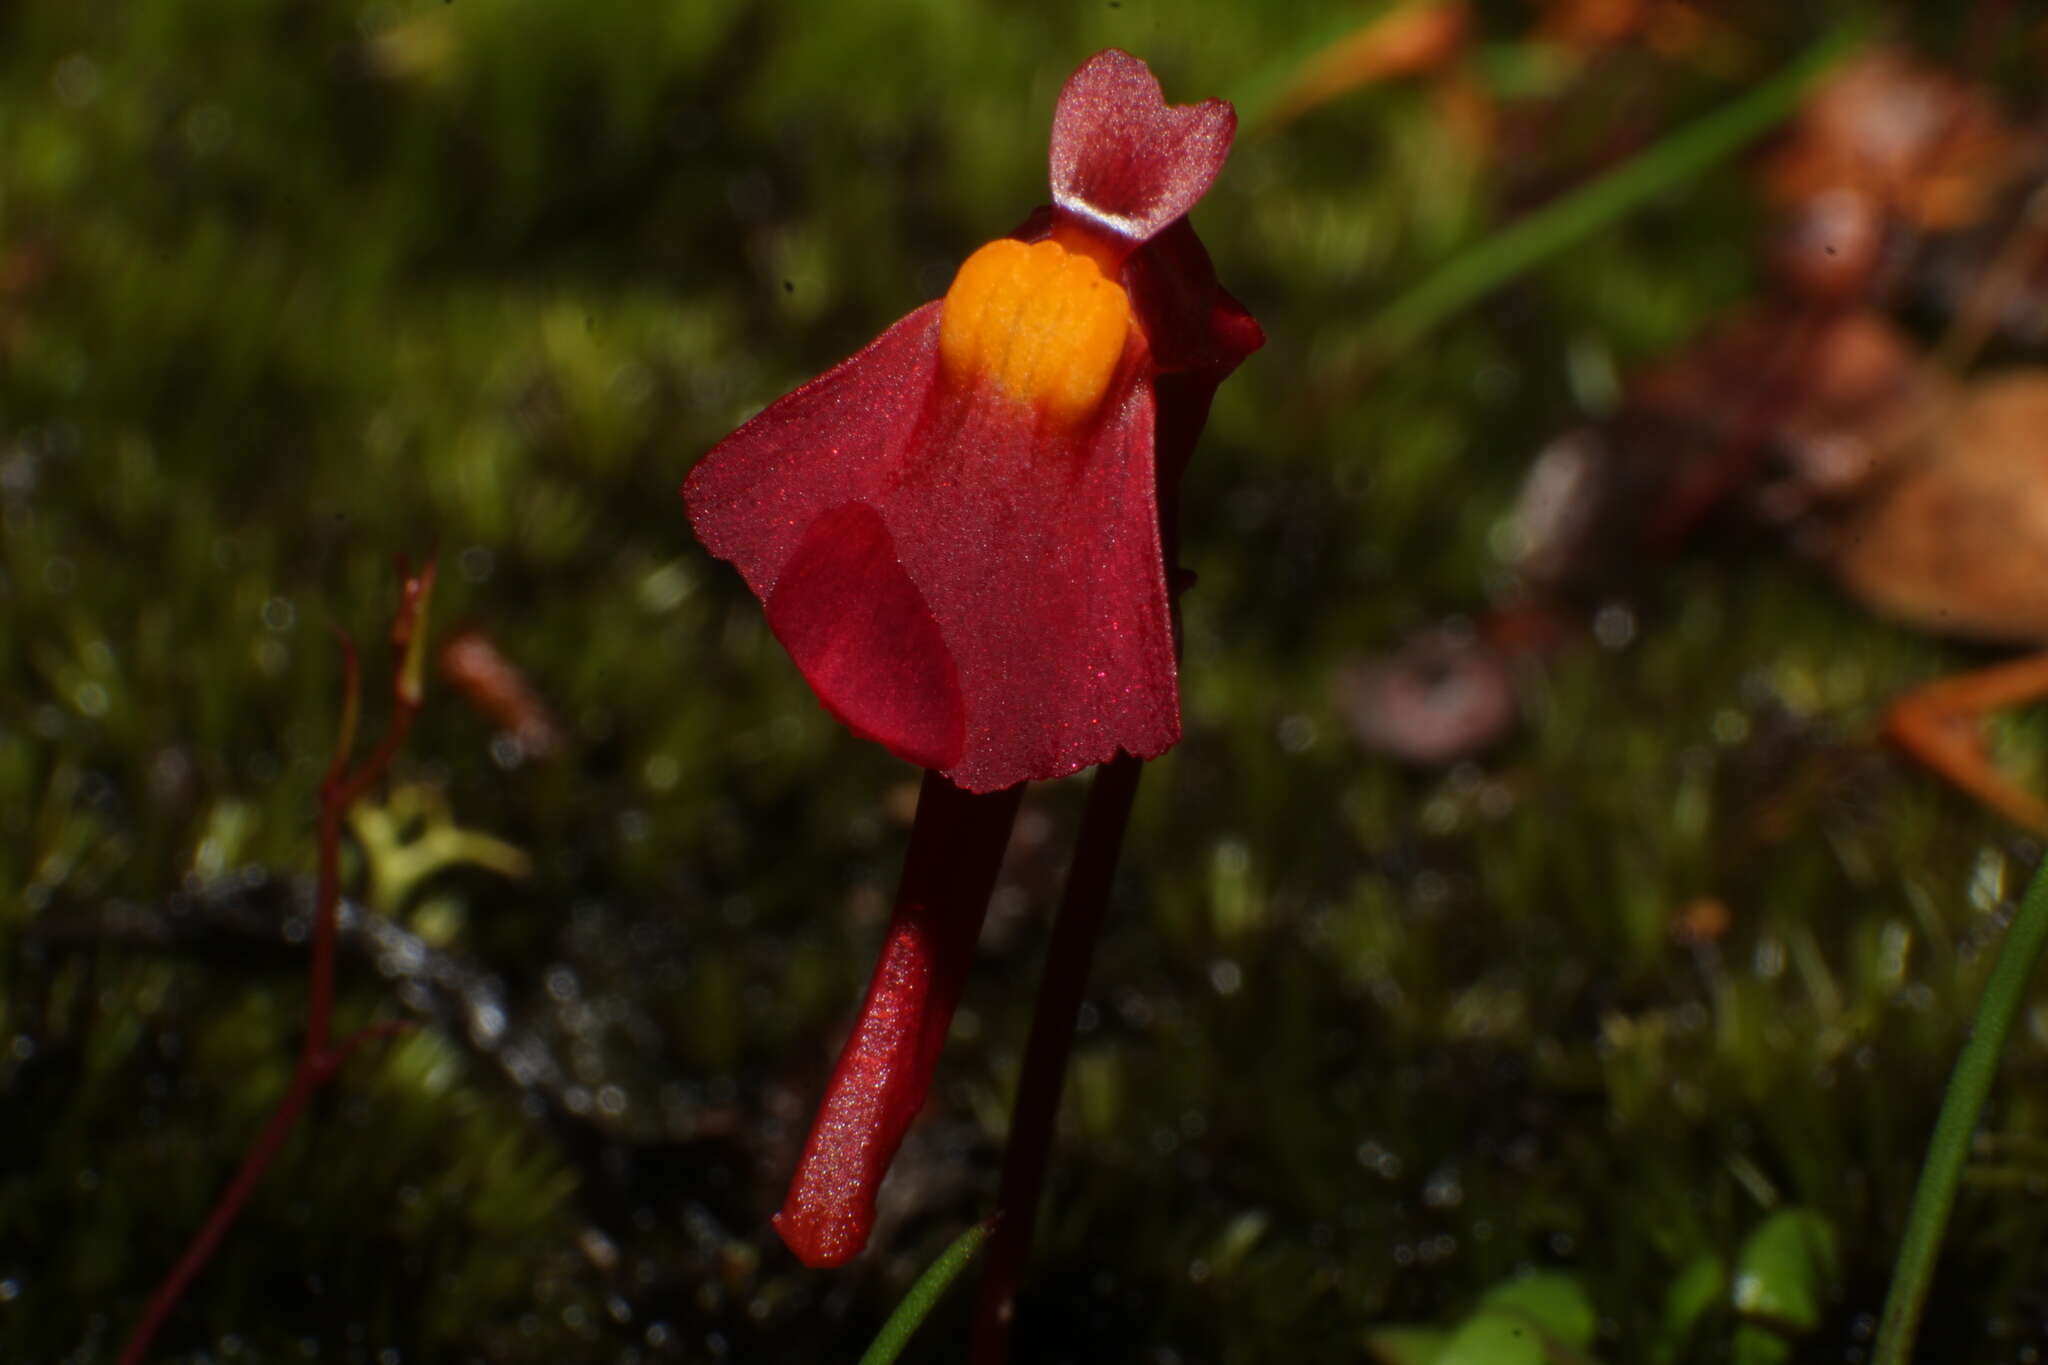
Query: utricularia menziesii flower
[962, 536]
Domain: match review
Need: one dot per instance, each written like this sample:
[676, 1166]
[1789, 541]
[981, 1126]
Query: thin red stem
[1069, 958]
[320, 975]
[318, 1061]
[340, 791]
[305, 1080]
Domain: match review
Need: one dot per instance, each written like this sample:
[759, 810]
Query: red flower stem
[305, 1080]
[885, 1070]
[318, 1062]
[339, 791]
[1069, 958]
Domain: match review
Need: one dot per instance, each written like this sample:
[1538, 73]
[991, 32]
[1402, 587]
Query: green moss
[322, 283]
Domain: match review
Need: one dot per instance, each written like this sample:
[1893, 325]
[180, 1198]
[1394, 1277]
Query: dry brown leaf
[1957, 539]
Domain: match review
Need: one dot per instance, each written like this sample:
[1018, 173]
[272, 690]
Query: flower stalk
[1069, 958]
[962, 535]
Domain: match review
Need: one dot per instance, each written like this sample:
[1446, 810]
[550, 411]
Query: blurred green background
[288, 287]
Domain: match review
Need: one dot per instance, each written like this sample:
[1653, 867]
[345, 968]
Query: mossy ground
[302, 285]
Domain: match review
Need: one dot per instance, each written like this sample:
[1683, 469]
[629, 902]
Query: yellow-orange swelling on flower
[1038, 322]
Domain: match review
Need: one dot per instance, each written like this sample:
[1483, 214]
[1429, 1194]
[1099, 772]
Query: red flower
[961, 536]
[957, 532]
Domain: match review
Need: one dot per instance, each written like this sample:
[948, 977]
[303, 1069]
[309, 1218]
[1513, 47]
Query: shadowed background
[290, 286]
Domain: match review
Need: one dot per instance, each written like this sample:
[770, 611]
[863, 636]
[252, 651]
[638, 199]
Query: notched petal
[1125, 158]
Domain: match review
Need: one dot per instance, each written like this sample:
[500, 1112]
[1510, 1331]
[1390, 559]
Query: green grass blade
[1528, 242]
[1949, 1150]
[929, 1289]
